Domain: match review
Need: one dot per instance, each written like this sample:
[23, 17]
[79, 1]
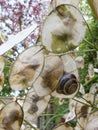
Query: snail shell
[68, 84]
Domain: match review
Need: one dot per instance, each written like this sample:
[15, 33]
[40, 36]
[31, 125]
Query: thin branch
[2, 101]
[30, 125]
[91, 44]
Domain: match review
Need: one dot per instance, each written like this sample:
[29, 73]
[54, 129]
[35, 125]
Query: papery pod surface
[50, 76]
[63, 29]
[26, 68]
[92, 124]
[63, 127]
[34, 105]
[11, 117]
[56, 3]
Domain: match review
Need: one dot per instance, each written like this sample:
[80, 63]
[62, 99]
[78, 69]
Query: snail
[68, 84]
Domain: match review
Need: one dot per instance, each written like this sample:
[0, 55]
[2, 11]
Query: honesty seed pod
[55, 3]
[11, 116]
[26, 68]
[34, 105]
[92, 124]
[48, 80]
[61, 29]
[68, 84]
[63, 127]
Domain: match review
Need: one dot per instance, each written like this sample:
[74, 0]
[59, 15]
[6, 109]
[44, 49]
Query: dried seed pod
[70, 65]
[68, 84]
[34, 105]
[80, 62]
[26, 68]
[63, 127]
[92, 124]
[50, 76]
[55, 3]
[94, 88]
[11, 117]
[61, 29]
[83, 109]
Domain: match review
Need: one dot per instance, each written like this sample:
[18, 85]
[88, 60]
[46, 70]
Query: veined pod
[11, 117]
[63, 127]
[26, 68]
[63, 29]
[34, 105]
[48, 80]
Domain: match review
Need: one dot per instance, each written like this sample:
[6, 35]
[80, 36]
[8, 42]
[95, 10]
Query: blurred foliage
[52, 119]
[89, 46]
[6, 89]
[88, 49]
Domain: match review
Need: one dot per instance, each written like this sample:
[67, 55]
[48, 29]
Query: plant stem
[91, 44]
[59, 115]
[30, 125]
[90, 81]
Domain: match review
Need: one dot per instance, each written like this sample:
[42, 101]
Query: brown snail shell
[68, 84]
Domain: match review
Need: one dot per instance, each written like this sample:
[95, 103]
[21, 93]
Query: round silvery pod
[50, 76]
[34, 105]
[83, 109]
[63, 29]
[63, 127]
[59, 2]
[26, 68]
[94, 88]
[70, 65]
[92, 124]
[11, 116]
